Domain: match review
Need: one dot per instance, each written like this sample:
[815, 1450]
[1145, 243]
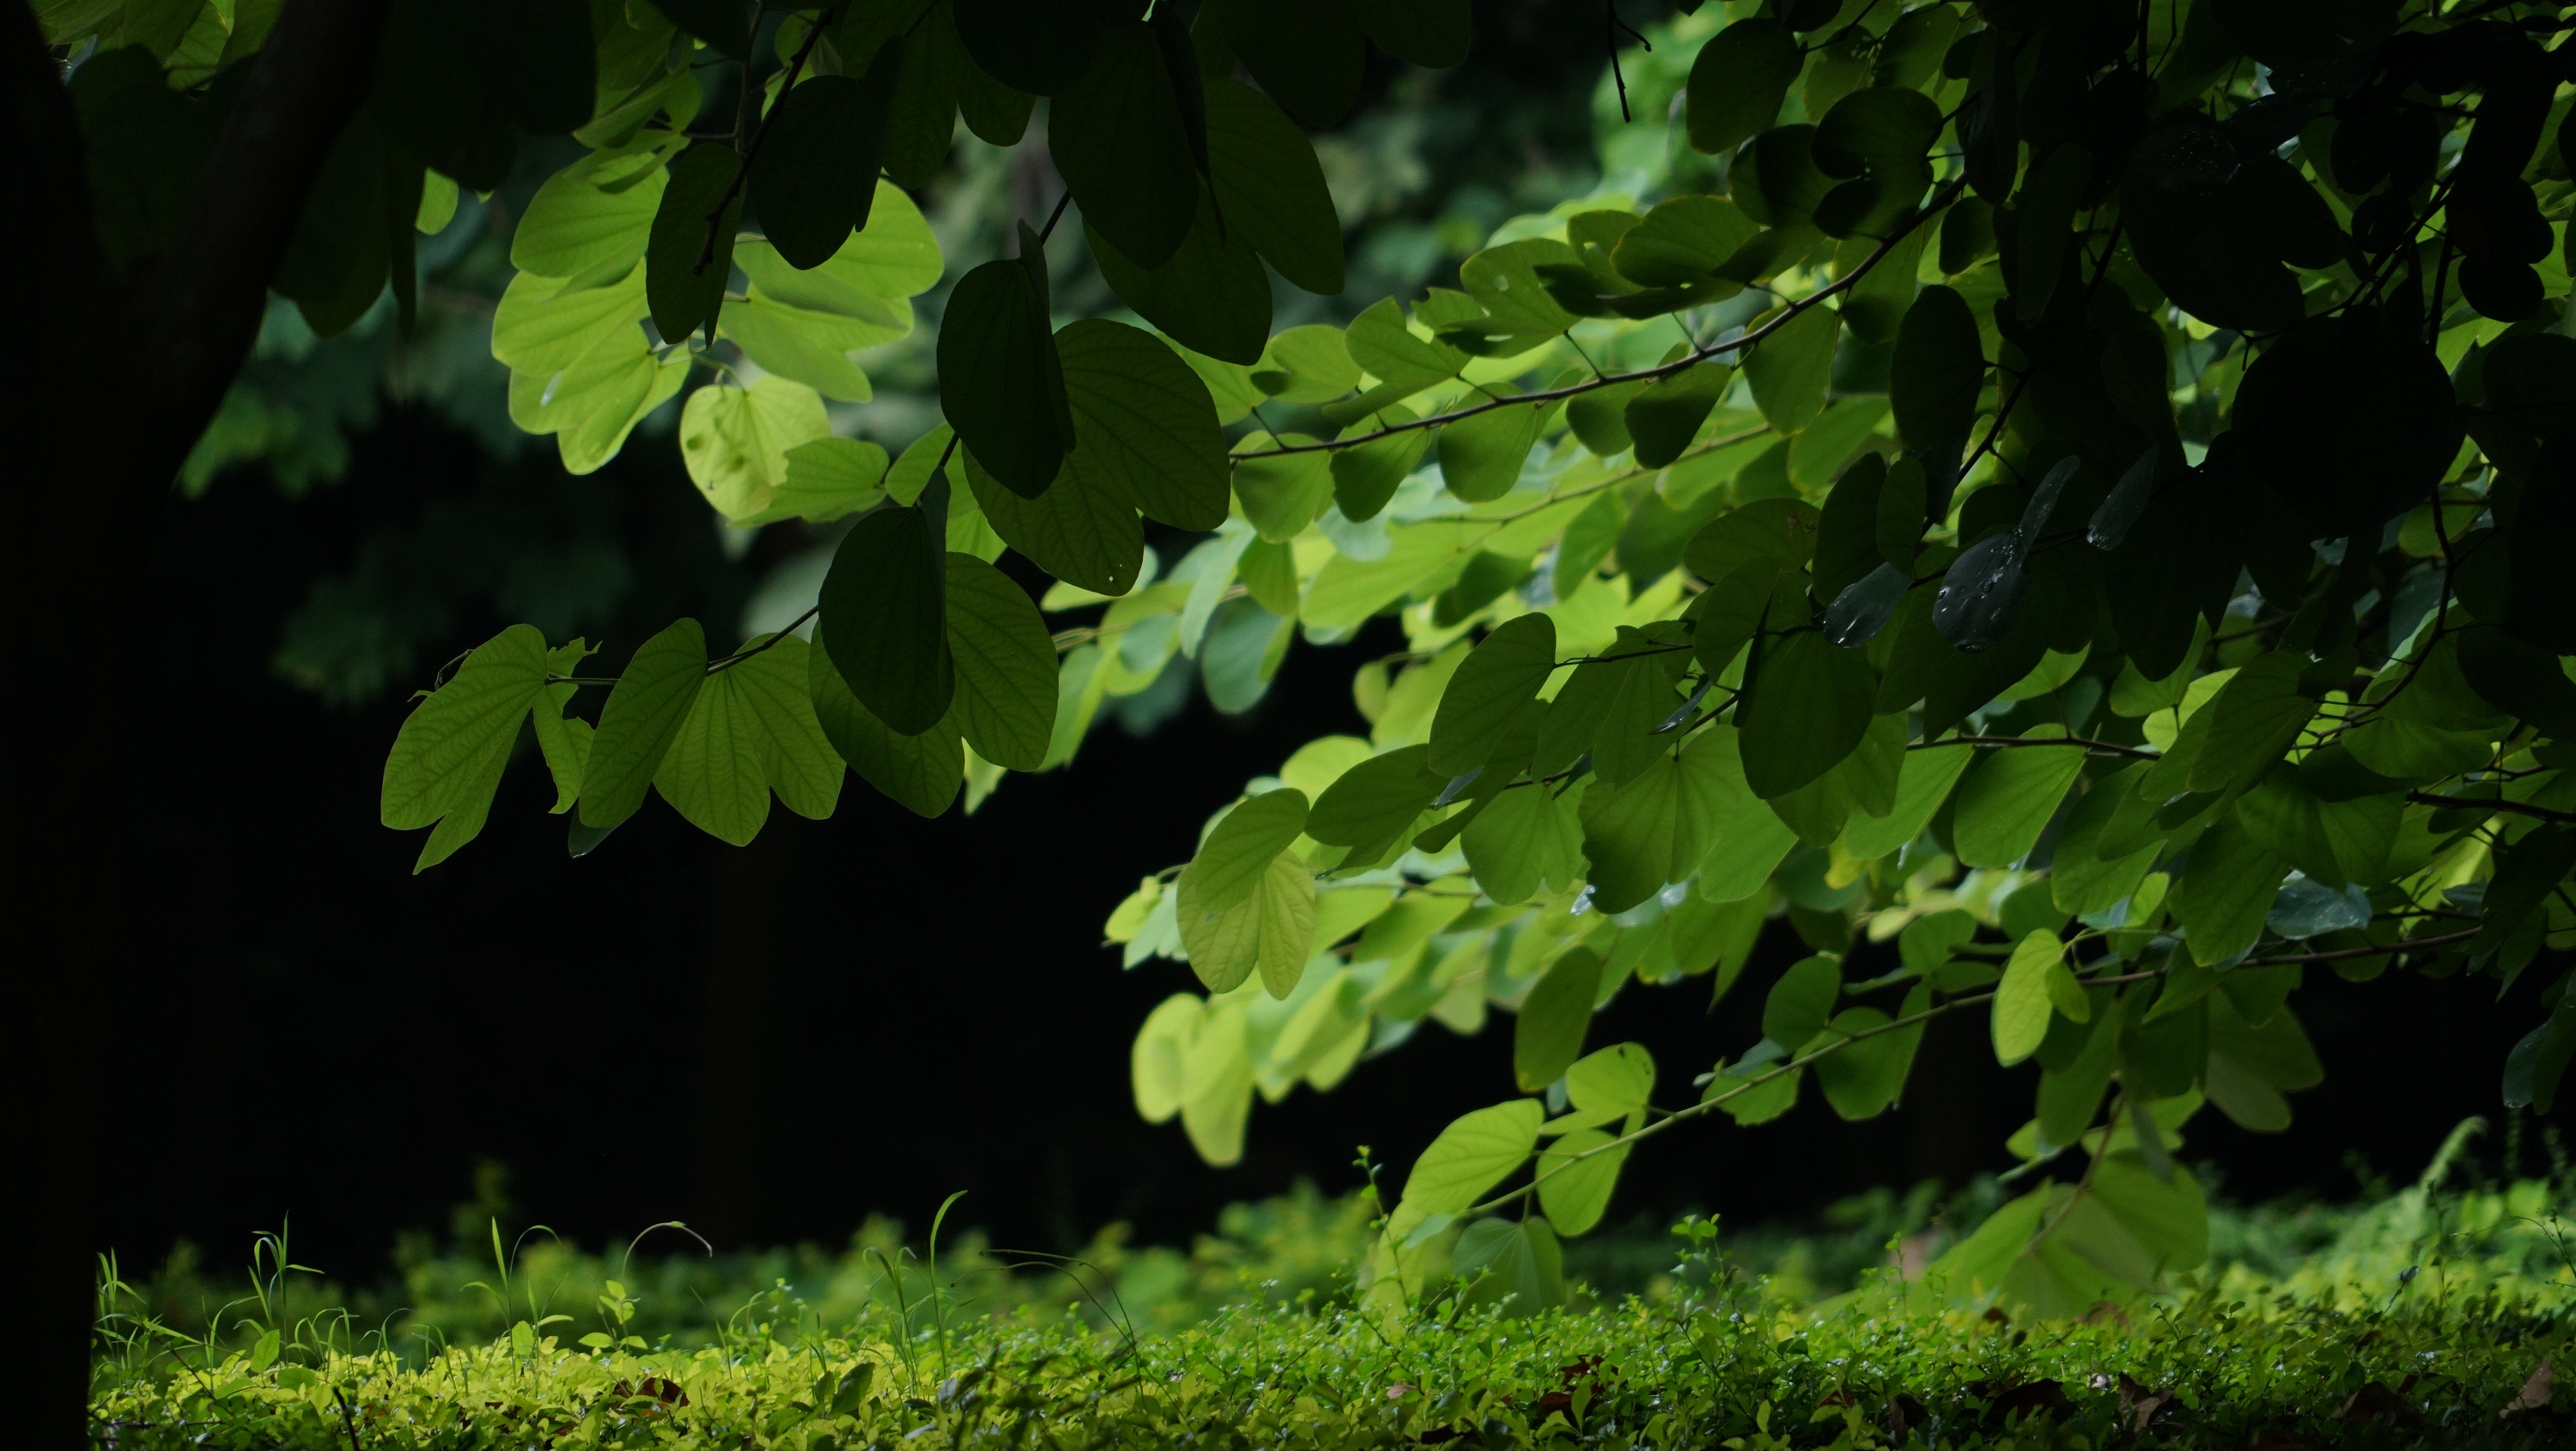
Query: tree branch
[1997, 743]
[1683, 363]
[2510, 808]
[194, 311]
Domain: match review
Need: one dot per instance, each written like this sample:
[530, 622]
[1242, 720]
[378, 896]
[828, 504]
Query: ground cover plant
[2424, 1318]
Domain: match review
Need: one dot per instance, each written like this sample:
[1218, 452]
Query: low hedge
[2426, 1320]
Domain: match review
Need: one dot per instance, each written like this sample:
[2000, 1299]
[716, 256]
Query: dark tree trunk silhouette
[129, 369]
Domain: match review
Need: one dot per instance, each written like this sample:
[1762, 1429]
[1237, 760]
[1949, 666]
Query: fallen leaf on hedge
[2534, 1395]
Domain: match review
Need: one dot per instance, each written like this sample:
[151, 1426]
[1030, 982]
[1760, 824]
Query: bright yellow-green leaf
[2023, 1000]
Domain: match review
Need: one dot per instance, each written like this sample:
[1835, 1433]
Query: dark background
[849, 1016]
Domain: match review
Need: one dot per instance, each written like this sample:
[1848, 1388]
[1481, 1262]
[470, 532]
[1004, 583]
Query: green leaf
[2529, 872]
[1808, 706]
[1923, 782]
[1612, 1083]
[1245, 902]
[2226, 889]
[922, 772]
[735, 440]
[447, 758]
[1666, 416]
[1005, 663]
[1682, 242]
[1738, 81]
[1366, 477]
[1939, 369]
[1789, 369]
[1117, 136]
[544, 327]
[1801, 1002]
[1574, 1189]
[1309, 55]
[1495, 687]
[2251, 1066]
[596, 212]
[1212, 296]
[751, 730]
[1865, 781]
[2043, 208]
[2082, 880]
[1746, 843]
[1514, 1263]
[720, 23]
[811, 348]
[2070, 1092]
[1147, 428]
[1033, 45]
[1526, 838]
[1775, 180]
[1228, 865]
[1430, 33]
[1403, 362]
[826, 480]
[1282, 493]
[998, 113]
[1001, 383]
[884, 616]
[1611, 707]
[1548, 1035]
[685, 294]
[645, 708]
[895, 256]
[564, 743]
[2007, 799]
[1081, 530]
[1481, 456]
[1778, 529]
[1473, 1154]
[1866, 1078]
[1269, 185]
[1270, 930]
[1875, 126]
[2256, 717]
[2022, 1001]
[1630, 835]
[1373, 802]
[825, 141]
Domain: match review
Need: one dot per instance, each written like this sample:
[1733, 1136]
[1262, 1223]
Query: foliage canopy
[2074, 491]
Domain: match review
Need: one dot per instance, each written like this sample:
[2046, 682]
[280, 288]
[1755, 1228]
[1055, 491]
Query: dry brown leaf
[2534, 1395]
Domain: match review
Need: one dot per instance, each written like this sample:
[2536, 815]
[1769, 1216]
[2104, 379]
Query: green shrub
[2417, 1319]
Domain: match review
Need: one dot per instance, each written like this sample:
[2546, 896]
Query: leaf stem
[1706, 1104]
[1995, 743]
[751, 154]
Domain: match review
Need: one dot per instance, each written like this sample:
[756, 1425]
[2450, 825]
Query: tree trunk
[131, 370]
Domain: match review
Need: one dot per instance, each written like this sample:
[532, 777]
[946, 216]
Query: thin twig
[1054, 217]
[2510, 808]
[1681, 364]
[751, 155]
[1748, 1085]
[1994, 743]
[739, 656]
[2343, 953]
